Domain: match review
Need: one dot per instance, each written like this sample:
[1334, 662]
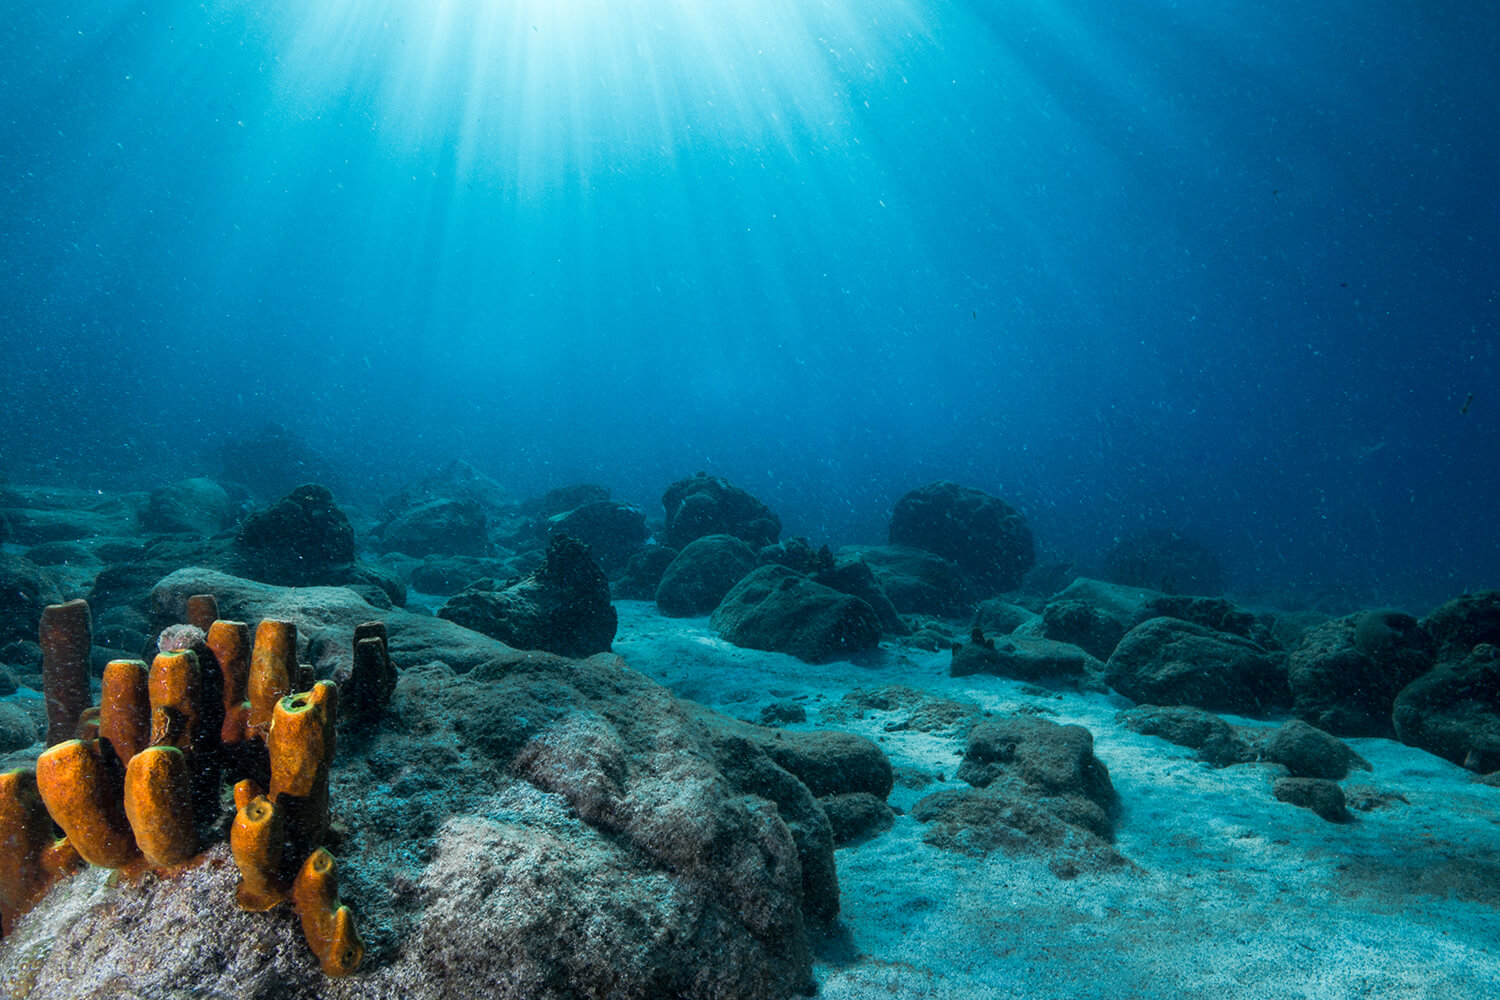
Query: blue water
[1229, 268]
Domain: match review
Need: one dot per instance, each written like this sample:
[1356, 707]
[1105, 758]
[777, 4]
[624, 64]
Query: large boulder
[1076, 622]
[58, 514]
[985, 536]
[1453, 711]
[1308, 752]
[537, 828]
[1165, 560]
[1038, 789]
[707, 505]
[25, 590]
[701, 574]
[1210, 612]
[189, 506]
[1463, 623]
[917, 582]
[778, 609]
[612, 530]
[304, 539]
[1346, 673]
[1167, 661]
[563, 607]
[450, 527]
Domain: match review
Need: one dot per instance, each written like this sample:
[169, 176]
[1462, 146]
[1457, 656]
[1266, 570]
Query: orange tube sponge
[84, 792]
[175, 684]
[125, 708]
[202, 611]
[327, 924]
[31, 858]
[230, 642]
[272, 665]
[158, 803]
[257, 839]
[302, 745]
[66, 633]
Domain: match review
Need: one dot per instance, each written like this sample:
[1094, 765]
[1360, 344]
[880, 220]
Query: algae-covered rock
[1167, 661]
[707, 505]
[702, 573]
[778, 609]
[988, 539]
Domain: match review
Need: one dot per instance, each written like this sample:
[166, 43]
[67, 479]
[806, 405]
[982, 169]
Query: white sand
[1236, 895]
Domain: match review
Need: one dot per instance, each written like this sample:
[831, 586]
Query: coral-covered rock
[1346, 673]
[302, 540]
[563, 607]
[1453, 711]
[707, 505]
[779, 609]
[1167, 561]
[1167, 661]
[984, 535]
[701, 574]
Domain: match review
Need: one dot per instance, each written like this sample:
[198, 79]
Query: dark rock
[796, 553]
[458, 480]
[564, 499]
[613, 531]
[856, 816]
[1463, 623]
[1166, 561]
[854, 577]
[1308, 752]
[643, 573]
[58, 514]
[303, 540]
[1038, 789]
[448, 575]
[25, 589]
[563, 607]
[62, 554]
[918, 711]
[1453, 711]
[915, 580]
[779, 713]
[1346, 673]
[273, 461]
[189, 506]
[830, 763]
[23, 655]
[707, 505]
[1021, 658]
[1210, 612]
[1321, 796]
[702, 573]
[443, 527]
[1167, 661]
[8, 684]
[1086, 627]
[1217, 742]
[17, 729]
[778, 609]
[1122, 603]
[988, 539]
[996, 617]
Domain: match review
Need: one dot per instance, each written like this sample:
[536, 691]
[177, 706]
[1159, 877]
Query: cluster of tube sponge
[134, 782]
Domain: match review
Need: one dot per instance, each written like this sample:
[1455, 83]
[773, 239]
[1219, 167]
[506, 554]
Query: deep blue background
[1127, 263]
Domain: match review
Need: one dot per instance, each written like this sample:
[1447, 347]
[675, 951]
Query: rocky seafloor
[677, 755]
